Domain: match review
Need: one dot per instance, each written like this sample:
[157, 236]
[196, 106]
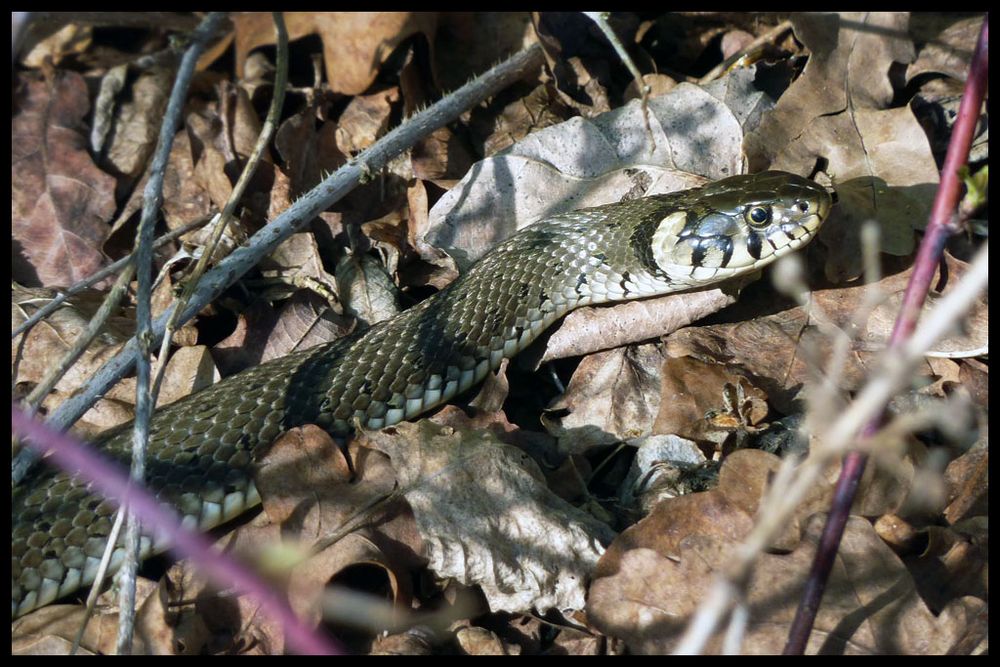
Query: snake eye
[758, 216]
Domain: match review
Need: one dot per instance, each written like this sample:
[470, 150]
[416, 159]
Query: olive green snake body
[202, 448]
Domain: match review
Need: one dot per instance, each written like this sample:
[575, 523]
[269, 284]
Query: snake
[202, 449]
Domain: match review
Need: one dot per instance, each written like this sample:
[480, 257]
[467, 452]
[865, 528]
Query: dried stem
[940, 227]
[152, 199]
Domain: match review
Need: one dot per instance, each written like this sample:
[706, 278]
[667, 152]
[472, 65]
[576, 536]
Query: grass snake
[202, 448]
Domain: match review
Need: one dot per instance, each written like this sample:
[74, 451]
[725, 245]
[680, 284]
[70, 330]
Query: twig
[601, 20]
[225, 217]
[724, 66]
[297, 216]
[939, 228]
[152, 199]
[793, 483]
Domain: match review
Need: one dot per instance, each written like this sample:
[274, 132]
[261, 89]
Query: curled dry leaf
[364, 120]
[651, 598]
[366, 290]
[488, 519]
[297, 262]
[948, 52]
[309, 152]
[136, 125]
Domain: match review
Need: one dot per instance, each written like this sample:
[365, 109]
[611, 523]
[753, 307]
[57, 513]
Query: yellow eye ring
[758, 216]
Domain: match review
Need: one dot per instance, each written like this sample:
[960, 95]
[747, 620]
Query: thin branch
[939, 229]
[145, 399]
[226, 216]
[793, 483]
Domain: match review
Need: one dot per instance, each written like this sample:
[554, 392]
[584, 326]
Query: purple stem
[111, 482]
[940, 227]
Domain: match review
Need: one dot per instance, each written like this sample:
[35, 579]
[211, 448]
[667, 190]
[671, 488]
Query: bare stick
[152, 199]
[940, 227]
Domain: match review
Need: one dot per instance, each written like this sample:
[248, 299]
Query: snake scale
[202, 448]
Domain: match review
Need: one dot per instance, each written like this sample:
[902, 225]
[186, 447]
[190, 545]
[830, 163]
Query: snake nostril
[804, 206]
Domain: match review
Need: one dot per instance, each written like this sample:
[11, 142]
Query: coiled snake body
[202, 448]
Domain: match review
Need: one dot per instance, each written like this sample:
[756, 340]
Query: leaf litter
[503, 517]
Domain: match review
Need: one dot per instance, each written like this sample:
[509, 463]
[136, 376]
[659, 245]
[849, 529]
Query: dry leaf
[189, 370]
[588, 330]
[632, 376]
[304, 321]
[136, 126]
[309, 153]
[651, 597]
[61, 201]
[948, 52]
[366, 289]
[365, 119]
[487, 518]
[355, 44]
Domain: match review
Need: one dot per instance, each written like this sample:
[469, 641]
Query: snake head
[738, 224]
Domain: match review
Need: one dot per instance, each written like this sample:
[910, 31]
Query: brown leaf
[296, 263]
[355, 44]
[968, 485]
[850, 55]
[244, 347]
[488, 519]
[870, 604]
[541, 108]
[33, 354]
[304, 321]
[783, 351]
[136, 126]
[365, 288]
[310, 153]
[690, 391]
[60, 201]
[632, 375]
[950, 51]
[189, 370]
[51, 630]
[589, 330]
[365, 119]
[185, 199]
